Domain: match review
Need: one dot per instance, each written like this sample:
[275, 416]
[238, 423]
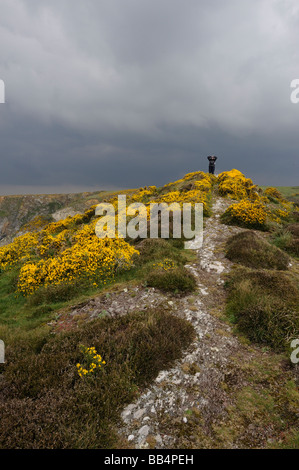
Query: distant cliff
[16, 212]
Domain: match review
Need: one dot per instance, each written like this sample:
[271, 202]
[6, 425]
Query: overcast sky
[126, 93]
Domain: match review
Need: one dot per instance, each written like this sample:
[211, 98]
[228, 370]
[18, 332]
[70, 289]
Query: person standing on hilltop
[212, 159]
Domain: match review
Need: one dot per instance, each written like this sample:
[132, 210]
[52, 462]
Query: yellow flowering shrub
[251, 214]
[172, 196]
[273, 193]
[92, 362]
[198, 193]
[200, 190]
[203, 185]
[281, 212]
[19, 250]
[233, 184]
[194, 174]
[167, 264]
[143, 194]
[37, 223]
[55, 227]
[50, 244]
[94, 259]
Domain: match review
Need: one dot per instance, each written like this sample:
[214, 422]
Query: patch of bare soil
[112, 304]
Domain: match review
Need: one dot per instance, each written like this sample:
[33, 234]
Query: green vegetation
[291, 193]
[177, 280]
[157, 249]
[43, 400]
[287, 238]
[251, 250]
[44, 403]
[267, 403]
[264, 305]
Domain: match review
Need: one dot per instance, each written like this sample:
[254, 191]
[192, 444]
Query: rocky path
[164, 415]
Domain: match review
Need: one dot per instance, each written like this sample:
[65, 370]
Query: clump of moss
[265, 306]
[251, 250]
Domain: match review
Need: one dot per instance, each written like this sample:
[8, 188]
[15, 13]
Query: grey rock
[144, 431]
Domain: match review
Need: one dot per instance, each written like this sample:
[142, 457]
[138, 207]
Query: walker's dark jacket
[212, 159]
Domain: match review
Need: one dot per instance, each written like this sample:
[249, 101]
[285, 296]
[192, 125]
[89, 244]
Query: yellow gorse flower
[248, 213]
[92, 361]
[166, 265]
[254, 208]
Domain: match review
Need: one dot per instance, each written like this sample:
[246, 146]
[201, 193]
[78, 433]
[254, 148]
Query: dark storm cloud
[132, 92]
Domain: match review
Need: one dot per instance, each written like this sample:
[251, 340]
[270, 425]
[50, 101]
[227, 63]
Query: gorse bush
[234, 185]
[93, 362]
[273, 194]
[251, 250]
[246, 214]
[96, 259]
[63, 253]
[255, 210]
[195, 187]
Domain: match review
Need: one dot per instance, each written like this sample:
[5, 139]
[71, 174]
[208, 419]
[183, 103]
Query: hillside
[38, 210]
[289, 192]
[124, 343]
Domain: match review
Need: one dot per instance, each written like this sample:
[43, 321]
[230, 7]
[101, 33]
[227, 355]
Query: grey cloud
[139, 92]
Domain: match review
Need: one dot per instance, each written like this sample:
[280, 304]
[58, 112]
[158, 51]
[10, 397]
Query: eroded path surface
[160, 417]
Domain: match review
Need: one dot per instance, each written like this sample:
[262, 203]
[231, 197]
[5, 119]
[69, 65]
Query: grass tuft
[251, 250]
[177, 280]
[265, 306]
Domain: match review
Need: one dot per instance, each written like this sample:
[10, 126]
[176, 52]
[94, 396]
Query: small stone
[131, 437]
[139, 413]
[185, 420]
[143, 445]
[127, 412]
[143, 432]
